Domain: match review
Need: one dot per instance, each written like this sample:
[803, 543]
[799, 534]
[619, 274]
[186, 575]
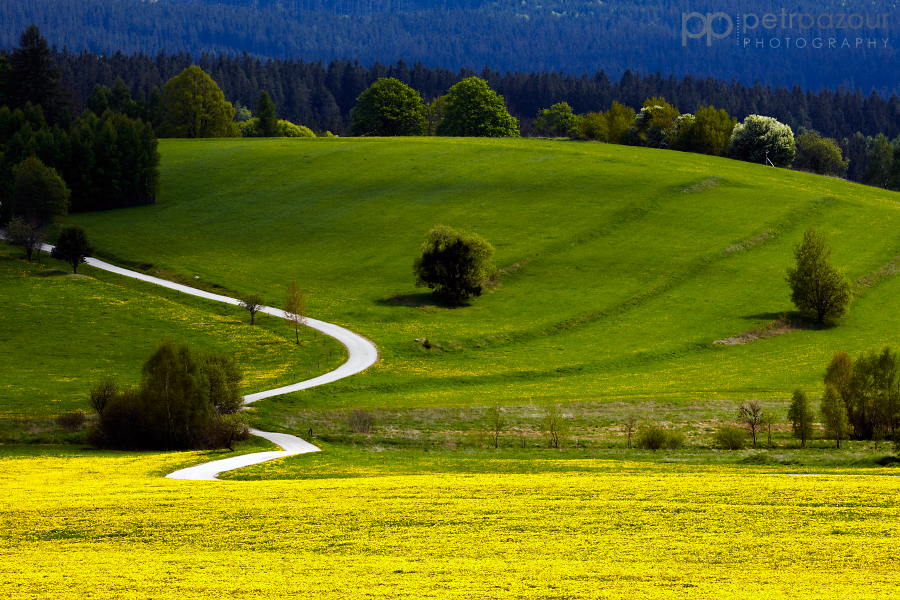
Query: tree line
[52, 163]
[320, 96]
[575, 36]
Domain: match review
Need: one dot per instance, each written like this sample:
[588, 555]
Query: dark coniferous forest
[572, 36]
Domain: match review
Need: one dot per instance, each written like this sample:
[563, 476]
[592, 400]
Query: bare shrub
[71, 421]
[361, 421]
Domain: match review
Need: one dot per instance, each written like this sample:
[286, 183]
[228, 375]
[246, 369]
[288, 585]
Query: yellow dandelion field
[110, 526]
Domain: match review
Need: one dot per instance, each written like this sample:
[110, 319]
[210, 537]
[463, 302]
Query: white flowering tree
[756, 135]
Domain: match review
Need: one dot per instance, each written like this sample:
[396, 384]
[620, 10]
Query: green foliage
[619, 119]
[834, 416]
[818, 289]
[873, 402]
[593, 126]
[759, 138]
[185, 400]
[801, 417]
[454, 264]
[265, 113]
[819, 155]
[388, 108]
[73, 246]
[730, 437]
[497, 421]
[879, 160]
[708, 131]
[288, 129]
[472, 109]
[38, 192]
[654, 126]
[195, 107]
[557, 121]
[252, 128]
[651, 436]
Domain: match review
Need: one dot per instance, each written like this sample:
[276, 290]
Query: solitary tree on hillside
[817, 288]
[295, 308]
[801, 417]
[455, 264]
[388, 108]
[252, 303]
[73, 246]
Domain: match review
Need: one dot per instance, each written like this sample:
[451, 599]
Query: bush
[819, 155]
[361, 421]
[674, 440]
[652, 437]
[455, 264]
[185, 400]
[71, 421]
[730, 437]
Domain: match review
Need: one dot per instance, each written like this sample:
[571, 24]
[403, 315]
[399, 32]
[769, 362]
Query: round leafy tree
[388, 108]
[820, 155]
[472, 109]
[818, 289]
[196, 107]
[454, 264]
[557, 121]
[38, 192]
[757, 136]
[73, 246]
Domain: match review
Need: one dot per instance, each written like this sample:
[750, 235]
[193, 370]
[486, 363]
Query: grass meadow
[621, 269]
[624, 265]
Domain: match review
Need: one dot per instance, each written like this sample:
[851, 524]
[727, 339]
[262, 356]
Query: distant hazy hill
[574, 36]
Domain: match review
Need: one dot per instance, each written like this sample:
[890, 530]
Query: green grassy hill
[63, 333]
[624, 264]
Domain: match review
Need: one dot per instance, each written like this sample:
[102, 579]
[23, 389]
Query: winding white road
[362, 354]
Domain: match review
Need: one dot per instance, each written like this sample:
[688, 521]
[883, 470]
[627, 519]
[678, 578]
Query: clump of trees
[185, 400]
[454, 264]
[818, 289]
[862, 396]
[101, 160]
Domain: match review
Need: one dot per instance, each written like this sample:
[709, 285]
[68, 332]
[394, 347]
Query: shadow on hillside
[418, 300]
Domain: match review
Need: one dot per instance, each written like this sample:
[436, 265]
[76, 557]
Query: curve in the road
[361, 353]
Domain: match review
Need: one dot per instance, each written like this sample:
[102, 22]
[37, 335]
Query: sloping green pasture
[624, 265]
[61, 334]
